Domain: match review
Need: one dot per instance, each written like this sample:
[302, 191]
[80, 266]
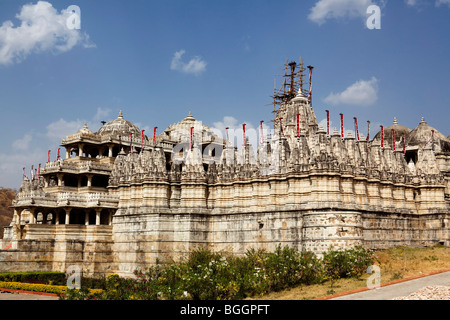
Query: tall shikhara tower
[120, 200]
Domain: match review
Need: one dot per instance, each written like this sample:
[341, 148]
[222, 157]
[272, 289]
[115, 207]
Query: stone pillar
[56, 217]
[60, 177]
[98, 211]
[110, 214]
[33, 216]
[67, 152]
[79, 181]
[67, 210]
[16, 218]
[80, 149]
[89, 181]
[110, 150]
[86, 218]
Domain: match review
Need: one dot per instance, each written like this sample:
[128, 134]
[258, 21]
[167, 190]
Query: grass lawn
[395, 264]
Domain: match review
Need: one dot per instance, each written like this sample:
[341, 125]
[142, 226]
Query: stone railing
[72, 196]
[90, 165]
[100, 196]
[64, 198]
[78, 136]
[81, 166]
[32, 195]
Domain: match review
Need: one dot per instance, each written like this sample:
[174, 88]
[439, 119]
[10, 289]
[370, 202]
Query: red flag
[261, 129]
[142, 140]
[57, 155]
[342, 126]
[382, 136]
[368, 130]
[328, 122]
[48, 155]
[393, 139]
[356, 128]
[245, 140]
[154, 136]
[192, 133]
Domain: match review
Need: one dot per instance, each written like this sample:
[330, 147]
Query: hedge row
[60, 290]
[51, 277]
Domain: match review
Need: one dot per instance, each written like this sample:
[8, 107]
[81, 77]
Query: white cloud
[22, 144]
[195, 66]
[62, 128]
[228, 121]
[338, 9]
[41, 29]
[442, 2]
[102, 114]
[363, 93]
[422, 3]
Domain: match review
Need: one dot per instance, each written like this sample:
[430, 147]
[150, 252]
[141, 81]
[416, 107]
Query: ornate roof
[180, 131]
[85, 130]
[119, 127]
[399, 131]
[422, 134]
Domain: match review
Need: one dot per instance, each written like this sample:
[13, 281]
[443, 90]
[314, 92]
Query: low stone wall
[56, 247]
[385, 230]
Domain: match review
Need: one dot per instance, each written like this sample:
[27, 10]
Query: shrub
[170, 281]
[206, 275]
[360, 259]
[60, 290]
[250, 275]
[311, 268]
[346, 263]
[282, 268]
[34, 287]
[54, 277]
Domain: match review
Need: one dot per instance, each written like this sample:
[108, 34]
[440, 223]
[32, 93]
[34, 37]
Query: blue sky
[158, 60]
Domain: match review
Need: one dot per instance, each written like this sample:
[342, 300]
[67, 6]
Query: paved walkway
[24, 296]
[399, 289]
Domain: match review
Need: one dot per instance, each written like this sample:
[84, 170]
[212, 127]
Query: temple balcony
[79, 165]
[84, 199]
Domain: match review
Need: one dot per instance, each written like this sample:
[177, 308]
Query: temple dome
[399, 131]
[180, 131]
[119, 127]
[422, 134]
